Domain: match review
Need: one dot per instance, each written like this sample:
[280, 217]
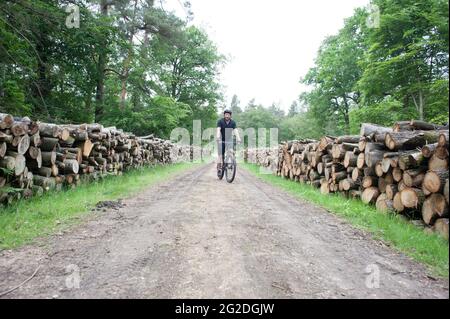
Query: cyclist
[226, 127]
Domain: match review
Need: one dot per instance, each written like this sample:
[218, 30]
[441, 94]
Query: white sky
[270, 44]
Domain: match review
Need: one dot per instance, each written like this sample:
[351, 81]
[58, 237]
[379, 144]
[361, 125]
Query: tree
[189, 66]
[251, 105]
[294, 109]
[235, 108]
[129, 63]
[408, 55]
[337, 71]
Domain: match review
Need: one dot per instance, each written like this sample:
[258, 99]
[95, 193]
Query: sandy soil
[197, 237]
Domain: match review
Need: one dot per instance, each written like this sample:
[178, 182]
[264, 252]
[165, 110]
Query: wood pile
[37, 157]
[403, 169]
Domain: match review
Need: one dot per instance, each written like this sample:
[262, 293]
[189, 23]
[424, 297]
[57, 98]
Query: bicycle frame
[230, 150]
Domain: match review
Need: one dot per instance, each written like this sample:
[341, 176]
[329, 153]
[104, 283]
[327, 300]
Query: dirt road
[197, 237]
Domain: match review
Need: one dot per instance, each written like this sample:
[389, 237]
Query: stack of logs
[37, 157]
[403, 169]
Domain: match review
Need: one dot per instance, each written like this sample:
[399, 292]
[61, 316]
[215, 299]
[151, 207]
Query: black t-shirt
[226, 128]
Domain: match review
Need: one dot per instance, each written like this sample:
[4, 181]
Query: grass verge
[429, 249]
[24, 221]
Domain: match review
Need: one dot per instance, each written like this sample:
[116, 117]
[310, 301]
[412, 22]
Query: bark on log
[421, 125]
[48, 144]
[71, 166]
[48, 130]
[410, 140]
[350, 159]
[47, 183]
[368, 129]
[352, 139]
[414, 177]
[446, 190]
[48, 158]
[373, 157]
[409, 160]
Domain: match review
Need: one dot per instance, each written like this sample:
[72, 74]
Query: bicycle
[228, 162]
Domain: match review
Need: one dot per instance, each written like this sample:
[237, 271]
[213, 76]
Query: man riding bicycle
[226, 127]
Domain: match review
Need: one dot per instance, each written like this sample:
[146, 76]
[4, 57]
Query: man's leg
[220, 154]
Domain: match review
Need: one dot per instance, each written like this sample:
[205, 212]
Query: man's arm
[236, 133]
[218, 134]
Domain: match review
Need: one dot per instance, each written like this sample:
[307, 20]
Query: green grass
[27, 220]
[429, 249]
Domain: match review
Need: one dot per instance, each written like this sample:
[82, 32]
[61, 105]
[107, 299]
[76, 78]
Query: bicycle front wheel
[230, 170]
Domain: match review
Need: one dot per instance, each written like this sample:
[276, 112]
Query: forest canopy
[127, 63]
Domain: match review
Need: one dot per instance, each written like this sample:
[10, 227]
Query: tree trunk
[409, 140]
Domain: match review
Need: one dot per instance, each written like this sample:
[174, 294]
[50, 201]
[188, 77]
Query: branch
[114, 71]
[23, 283]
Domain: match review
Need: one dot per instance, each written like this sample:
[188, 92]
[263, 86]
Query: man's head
[227, 114]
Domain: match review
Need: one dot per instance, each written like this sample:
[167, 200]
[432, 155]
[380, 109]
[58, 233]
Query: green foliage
[161, 115]
[13, 98]
[129, 64]
[303, 125]
[397, 70]
[384, 113]
[335, 75]
[407, 53]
